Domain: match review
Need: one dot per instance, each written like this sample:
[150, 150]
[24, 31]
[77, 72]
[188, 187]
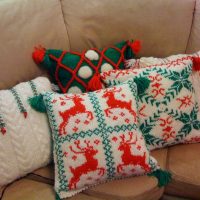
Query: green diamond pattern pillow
[169, 111]
[76, 72]
[96, 138]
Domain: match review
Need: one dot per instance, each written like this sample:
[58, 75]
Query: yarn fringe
[3, 130]
[57, 197]
[95, 83]
[164, 177]
[196, 63]
[37, 103]
[38, 54]
[142, 84]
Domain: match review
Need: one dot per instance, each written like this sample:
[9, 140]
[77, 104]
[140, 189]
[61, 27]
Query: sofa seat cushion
[184, 164]
[146, 187]
[26, 189]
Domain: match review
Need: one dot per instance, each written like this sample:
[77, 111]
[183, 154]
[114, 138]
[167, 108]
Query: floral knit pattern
[96, 138]
[168, 110]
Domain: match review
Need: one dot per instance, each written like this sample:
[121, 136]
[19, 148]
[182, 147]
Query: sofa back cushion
[77, 25]
[159, 24]
[23, 25]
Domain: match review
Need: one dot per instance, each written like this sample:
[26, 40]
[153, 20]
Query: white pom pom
[92, 55]
[74, 90]
[85, 72]
[106, 67]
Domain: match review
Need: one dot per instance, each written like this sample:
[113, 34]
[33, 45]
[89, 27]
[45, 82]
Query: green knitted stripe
[104, 134]
[63, 181]
[81, 134]
[2, 123]
[33, 88]
[18, 100]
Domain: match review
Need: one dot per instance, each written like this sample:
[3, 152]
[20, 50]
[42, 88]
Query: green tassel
[37, 103]
[57, 197]
[142, 84]
[164, 177]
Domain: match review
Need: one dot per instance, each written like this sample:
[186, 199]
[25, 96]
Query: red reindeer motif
[113, 103]
[127, 157]
[91, 163]
[78, 108]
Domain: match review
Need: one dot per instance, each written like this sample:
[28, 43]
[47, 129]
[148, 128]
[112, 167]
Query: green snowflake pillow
[91, 144]
[77, 72]
[168, 110]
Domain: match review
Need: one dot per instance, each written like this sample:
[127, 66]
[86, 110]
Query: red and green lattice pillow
[91, 144]
[168, 110]
[76, 72]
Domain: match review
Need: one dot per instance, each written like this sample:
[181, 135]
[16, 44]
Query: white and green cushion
[25, 142]
[96, 138]
[168, 110]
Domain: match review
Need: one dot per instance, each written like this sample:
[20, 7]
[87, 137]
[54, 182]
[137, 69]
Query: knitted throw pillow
[25, 143]
[171, 60]
[76, 72]
[91, 144]
[169, 111]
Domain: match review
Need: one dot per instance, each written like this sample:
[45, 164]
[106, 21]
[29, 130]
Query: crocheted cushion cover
[76, 72]
[24, 133]
[169, 111]
[149, 61]
[91, 144]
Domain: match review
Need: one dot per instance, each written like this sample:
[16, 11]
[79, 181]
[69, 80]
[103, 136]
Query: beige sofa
[165, 27]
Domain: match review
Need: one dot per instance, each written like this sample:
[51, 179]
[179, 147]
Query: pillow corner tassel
[164, 177]
[37, 103]
[95, 83]
[57, 197]
[38, 54]
[142, 84]
[196, 63]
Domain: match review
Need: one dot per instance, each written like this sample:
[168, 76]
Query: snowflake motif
[114, 139]
[86, 122]
[54, 101]
[138, 147]
[127, 120]
[115, 118]
[190, 121]
[62, 103]
[74, 157]
[65, 154]
[96, 142]
[89, 178]
[77, 121]
[75, 129]
[133, 170]
[122, 114]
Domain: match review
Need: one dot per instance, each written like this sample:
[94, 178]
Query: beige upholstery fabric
[25, 189]
[194, 41]
[145, 187]
[163, 26]
[24, 24]
[184, 164]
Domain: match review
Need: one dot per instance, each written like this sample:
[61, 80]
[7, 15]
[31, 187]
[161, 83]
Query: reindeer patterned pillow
[96, 138]
[168, 110]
